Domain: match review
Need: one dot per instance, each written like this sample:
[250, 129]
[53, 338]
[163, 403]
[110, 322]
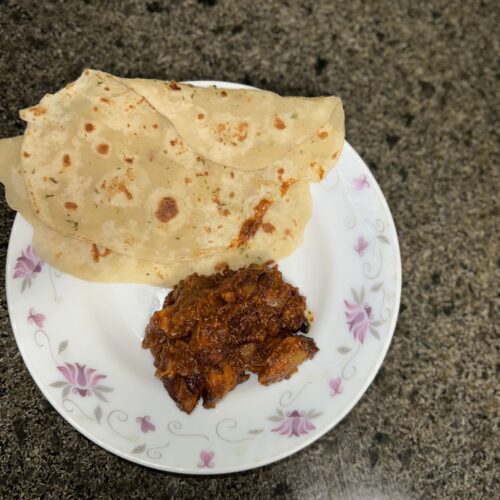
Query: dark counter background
[418, 81]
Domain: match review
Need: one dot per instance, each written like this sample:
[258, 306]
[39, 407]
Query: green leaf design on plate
[314, 414]
[275, 419]
[383, 238]
[59, 383]
[377, 286]
[100, 396]
[139, 449]
[103, 388]
[344, 349]
[355, 296]
[374, 332]
[65, 391]
[98, 413]
[255, 431]
[62, 346]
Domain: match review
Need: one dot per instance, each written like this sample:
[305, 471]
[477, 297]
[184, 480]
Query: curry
[214, 330]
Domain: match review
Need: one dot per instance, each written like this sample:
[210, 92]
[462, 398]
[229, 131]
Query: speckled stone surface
[420, 90]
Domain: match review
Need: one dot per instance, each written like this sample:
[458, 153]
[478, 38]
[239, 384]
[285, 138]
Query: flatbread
[102, 165]
[241, 128]
[78, 258]
[91, 262]
[124, 181]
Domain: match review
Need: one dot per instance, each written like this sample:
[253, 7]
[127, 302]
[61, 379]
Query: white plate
[81, 342]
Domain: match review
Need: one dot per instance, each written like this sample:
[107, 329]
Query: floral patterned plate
[81, 342]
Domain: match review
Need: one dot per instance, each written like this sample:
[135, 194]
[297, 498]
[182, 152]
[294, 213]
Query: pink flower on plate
[207, 459]
[36, 318]
[28, 265]
[295, 423]
[335, 386]
[358, 318]
[361, 182]
[146, 425]
[83, 380]
[361, 246]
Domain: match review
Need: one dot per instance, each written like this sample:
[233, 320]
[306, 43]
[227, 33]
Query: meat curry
[213, 330]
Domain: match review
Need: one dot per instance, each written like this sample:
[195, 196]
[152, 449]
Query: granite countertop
[418, 84]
